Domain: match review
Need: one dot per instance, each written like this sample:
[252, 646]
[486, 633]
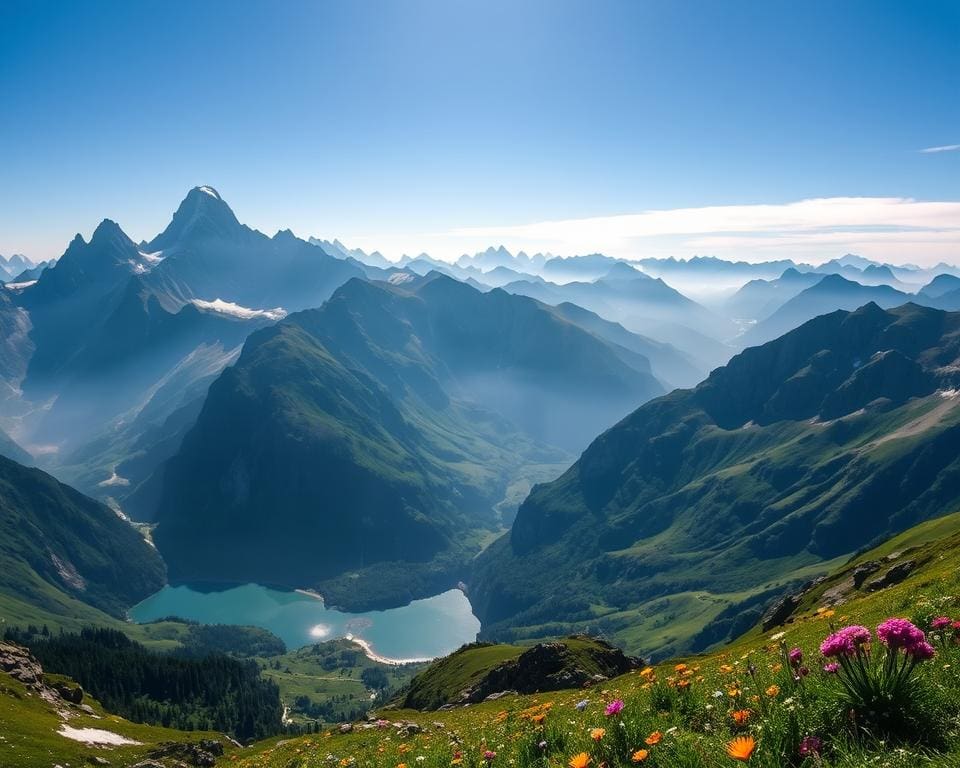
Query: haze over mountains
[300, 413]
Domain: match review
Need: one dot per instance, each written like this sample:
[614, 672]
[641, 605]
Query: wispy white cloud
[889, 228]
[944, 148]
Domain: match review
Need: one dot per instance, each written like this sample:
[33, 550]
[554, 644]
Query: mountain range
[422, 405]
[706, 502]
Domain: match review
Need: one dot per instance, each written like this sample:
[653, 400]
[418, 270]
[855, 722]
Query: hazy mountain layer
[376, 437]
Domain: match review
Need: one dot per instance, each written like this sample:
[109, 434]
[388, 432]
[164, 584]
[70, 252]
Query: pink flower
[832, 668]
[844, 642]
[488, 755]
[900, 633]
[941, 622]
[796, 656]
[615, 707]
[921, 651]
[810, 745]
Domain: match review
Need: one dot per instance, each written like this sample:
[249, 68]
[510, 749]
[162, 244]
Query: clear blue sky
[396, 121]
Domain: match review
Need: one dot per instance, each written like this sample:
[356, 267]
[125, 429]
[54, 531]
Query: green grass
[695, 725]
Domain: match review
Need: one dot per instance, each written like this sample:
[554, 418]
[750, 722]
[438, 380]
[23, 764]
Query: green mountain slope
[364, 447]
[58, 544]
[794, 454]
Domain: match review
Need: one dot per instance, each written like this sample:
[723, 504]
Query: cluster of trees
[212, 692]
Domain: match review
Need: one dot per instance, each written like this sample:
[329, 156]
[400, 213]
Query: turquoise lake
[423, 629]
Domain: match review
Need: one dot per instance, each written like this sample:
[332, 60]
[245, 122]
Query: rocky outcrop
[894, 576]
[202, 754]
[552, 667]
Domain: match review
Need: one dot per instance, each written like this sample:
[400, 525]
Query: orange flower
[640, 755]
[740, 716]
[741, 748]
[579, 761]
[598, 733]
[537, 719]
[726, 669]
[401, 765]
[683, 683]
[773, 690]
[654, 738]
[680, 668]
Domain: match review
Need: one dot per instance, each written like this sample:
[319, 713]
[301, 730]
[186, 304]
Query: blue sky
[442, 125]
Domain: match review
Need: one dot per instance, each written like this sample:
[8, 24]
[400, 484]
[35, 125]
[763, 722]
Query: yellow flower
[640, 755]
[680, 668]
[579, 761]
[598, 733]
[654, 738]
[773, 690]
[741, 748]
[726, 669]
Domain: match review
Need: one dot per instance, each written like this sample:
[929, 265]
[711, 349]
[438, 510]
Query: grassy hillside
[685, 707]
[30, 731]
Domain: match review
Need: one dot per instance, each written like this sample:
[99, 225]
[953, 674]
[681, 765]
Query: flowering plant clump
[878, 683]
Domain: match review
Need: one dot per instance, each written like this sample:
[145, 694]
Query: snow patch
[96, 736]
[235, 310]
[114, 479]
[151, 258]
[209, 191]
[19, 286]
[947, 394]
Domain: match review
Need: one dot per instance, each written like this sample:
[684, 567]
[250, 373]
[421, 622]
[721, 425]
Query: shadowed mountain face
[796, 452]
[376, 436]
[55, 539]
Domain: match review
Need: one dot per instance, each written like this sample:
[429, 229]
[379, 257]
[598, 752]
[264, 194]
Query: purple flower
[941, 622]
[921, 651]
[796, 656]
[810, 745]
[832, 668]
[615, 707]
[900, 633]
[489, 755]
[844, 642]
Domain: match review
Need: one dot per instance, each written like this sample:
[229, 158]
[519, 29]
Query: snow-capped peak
[210, 191]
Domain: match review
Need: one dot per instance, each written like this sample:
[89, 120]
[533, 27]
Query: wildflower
[680, 668]
[542, 744]
[795, 656]
[741, 748]
[740, 716]
[717, 694]
[726, 669]
[773, 690]
[653, 738]
[810, 745]
[683, 684]
[900, 633]
[941, 622]
[832, 668]
[489, 755]
[615, 707]
[640, 755]
[538, 719]
[597, 733]
[401, 765]
[922, 651]
[579, 761]
[845, 642]
[581, 705]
